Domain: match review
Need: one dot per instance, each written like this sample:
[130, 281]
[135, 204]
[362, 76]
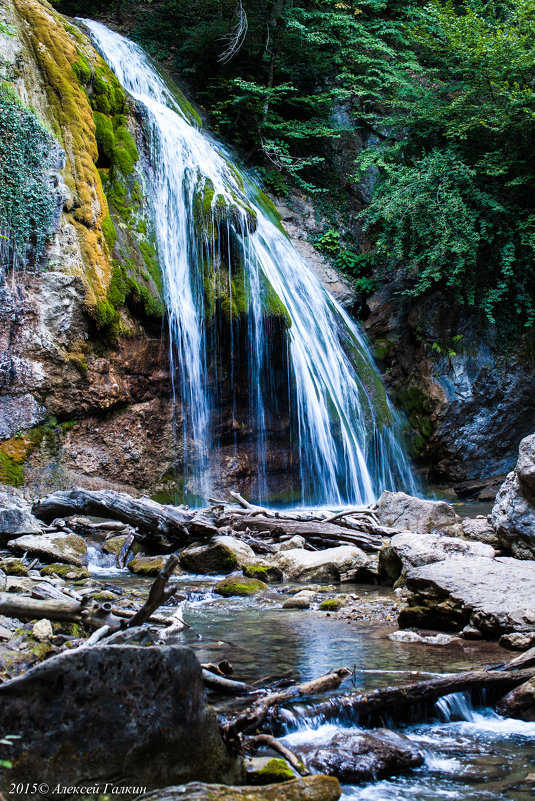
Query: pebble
[42, 630]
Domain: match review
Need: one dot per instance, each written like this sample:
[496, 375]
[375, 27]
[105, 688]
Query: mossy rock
[209, 559]
[146, 565]
[66, 571]
[239, 585]
[263, 770]
[13, 567]
[332, 604]
[265, 573]
[114, 545]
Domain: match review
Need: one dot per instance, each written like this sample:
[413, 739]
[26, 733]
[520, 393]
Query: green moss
[81, 69]
[65, 571]
[76, 543]
[108, 229]
[14, 567]
[242, 587]
[259, 572]
[273, 772]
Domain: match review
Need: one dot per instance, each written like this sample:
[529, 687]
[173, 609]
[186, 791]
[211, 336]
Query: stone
[91, 715]
[15, 516]
[424, 639]
[42, 630]
[327, 566]
[146, 565]
[364, 756]
[517, 640]
[13, 567]
[519, 702]
[402, 511]
[223, 554]
[332, 604]
[267, 770]
[52, 547]
[69, 572]
[240, 585]
[414, 550]
[454, 592]
[306, 788]
[296, 603]
[513, 515]
[267, 573]
[294, 542]
[480, 530]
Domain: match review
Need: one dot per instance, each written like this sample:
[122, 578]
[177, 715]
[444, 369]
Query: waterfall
[233, 280]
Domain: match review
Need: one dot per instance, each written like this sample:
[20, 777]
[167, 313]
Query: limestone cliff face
[84, 387]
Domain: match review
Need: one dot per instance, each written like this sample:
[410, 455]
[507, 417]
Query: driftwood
[159, 593]
[67, 610]
[251, 718]
[224, 685]
[144, 514]
[315, 530]
[389, 701]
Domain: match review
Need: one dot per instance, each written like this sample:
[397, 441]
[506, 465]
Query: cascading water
[227, 264]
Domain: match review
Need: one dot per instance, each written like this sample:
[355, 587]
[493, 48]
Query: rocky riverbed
[259, 599]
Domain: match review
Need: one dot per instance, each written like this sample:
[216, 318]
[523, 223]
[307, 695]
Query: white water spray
[344, 428]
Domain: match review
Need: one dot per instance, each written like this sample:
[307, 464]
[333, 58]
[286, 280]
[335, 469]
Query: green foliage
[28, 202]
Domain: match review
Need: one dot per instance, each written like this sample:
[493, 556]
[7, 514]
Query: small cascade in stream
[248, 319]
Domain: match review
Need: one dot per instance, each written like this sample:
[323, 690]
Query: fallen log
[251, 718]
[144, 514]
[66, 611]
[307, 529]
[223, 685]
[389, 701]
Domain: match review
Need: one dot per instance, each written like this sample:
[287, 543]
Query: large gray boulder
[328, 566]
[408, 550]
[399, 510]
[513, 515]
[495, 596]
[15, 516]
[223, 554]
[366, 756]
[95, 714]
[54, 546]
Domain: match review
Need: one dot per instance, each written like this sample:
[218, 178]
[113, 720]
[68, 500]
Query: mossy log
[147, 516]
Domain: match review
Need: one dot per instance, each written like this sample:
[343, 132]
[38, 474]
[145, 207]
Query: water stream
[236, 287]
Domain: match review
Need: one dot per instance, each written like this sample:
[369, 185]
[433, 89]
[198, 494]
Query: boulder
[479, 529]
[520, 702]
[70, 572]
[324, 566]
[146, 565]
[297, 603]
[513, 515]
[518, 640]
[268, 770]
[306, 788]
[53, 546]
[294, 542]
[15, 516]
[362, 756]
[13, 567]
[399, 510]
[95, 714]
[414, 550]
[267, 573]
[240, 585]
[223, 554]
[495, 596]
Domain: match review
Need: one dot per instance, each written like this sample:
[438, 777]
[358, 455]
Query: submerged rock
[307, 788]
[513, 515]
[520, 702]
[94, 714]
[52, 547]
[363, 756]
[399, 510]
[328, 565]
[240, 585]
[223, 555]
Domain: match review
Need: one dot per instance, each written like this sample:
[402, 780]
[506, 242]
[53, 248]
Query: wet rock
[307, 788]
[52, 547]
[398, 510]
[297, 602]
[477, 591]
[267, 573]
[364, 756]
[94, 714]
[42, 630]
[69, 572]
[146, 565]
[513, 515]
[480, 530]
[240, 585]
[425, 639]
[15, 516]
[520, 702]
[223, 555]
[328, 565]
[518, 641]
[414, 550]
